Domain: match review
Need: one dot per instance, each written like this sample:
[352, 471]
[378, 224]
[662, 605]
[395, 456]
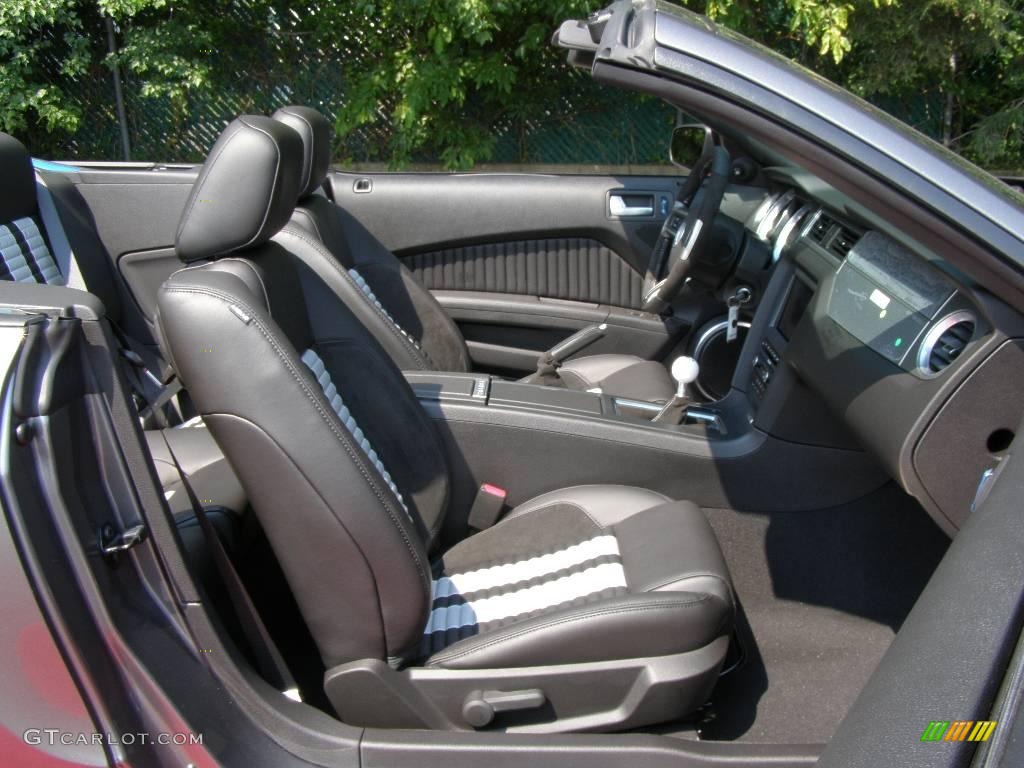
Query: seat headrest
[315, 131]
[18, 196]
[246, 190]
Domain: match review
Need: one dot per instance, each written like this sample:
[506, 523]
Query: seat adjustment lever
[480, 707]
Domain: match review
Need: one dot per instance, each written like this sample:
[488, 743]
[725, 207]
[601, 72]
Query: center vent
[842, 242]
[944, 343]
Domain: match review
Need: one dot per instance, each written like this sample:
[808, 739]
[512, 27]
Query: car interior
[505, 454]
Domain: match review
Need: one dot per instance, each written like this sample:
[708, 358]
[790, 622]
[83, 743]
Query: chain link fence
[623, 131]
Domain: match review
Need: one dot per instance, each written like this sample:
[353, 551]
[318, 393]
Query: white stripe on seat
[535, 598]
[19, 259]
[535, 567]
[368, 292]
[323, 378]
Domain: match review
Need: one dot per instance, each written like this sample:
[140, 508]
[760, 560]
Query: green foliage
[27, 93]
[445, 71]
[466, 81]
[952, 68]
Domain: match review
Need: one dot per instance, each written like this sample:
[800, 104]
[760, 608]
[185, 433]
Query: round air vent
[944, 343]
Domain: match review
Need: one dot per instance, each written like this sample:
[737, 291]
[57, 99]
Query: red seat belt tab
[487, 506]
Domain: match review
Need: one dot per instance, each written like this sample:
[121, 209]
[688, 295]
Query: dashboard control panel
[886, 298]
[765, 363]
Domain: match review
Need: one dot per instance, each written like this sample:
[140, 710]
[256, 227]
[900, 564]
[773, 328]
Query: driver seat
[402, 315]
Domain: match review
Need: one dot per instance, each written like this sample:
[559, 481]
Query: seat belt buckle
[132, 357]
[487, 506]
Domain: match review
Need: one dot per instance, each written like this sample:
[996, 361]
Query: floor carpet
[821, 596]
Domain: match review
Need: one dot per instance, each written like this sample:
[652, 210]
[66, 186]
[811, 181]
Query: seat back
[406, 319]
[47, 233]
[342, 466]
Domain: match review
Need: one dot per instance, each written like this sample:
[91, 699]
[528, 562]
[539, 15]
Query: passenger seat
[404, 316]
[47, 235]
[588, 608]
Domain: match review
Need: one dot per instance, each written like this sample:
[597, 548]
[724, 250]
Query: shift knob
[685, 371]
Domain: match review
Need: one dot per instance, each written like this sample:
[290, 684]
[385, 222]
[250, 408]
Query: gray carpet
[822, 595]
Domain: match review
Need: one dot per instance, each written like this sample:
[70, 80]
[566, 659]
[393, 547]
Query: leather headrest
[18, 195]
[246, 190]
[315, 131]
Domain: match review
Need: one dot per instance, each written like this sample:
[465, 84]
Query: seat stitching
[201, 290]
[259, 278]
[196, 192]
[311, 219]
[273, 188]
[419, 359]
[312, 143]
[568, 619]
[557, 503]
[699, 575]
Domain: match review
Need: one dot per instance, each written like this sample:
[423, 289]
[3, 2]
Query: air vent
[944, 343]
[842, 242]
[821, 228]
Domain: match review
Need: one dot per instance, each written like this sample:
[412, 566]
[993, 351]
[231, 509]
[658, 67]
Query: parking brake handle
[549, 362]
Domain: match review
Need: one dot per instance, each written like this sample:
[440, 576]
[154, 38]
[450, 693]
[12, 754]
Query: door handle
[636, 206]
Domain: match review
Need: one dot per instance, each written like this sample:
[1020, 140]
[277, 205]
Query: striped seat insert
[25, 256]
[467, 604]
[364, 286]
[323, 378]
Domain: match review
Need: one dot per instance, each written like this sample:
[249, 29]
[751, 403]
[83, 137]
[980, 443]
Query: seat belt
[152, 393]
[269, 660]
[159, 393]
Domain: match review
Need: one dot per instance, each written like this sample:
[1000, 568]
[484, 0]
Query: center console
[530, 439]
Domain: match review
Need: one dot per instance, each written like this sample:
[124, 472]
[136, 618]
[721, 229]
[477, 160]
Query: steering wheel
[682, 243]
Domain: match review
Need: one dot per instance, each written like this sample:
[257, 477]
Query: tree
[439, 80]
[952, 68]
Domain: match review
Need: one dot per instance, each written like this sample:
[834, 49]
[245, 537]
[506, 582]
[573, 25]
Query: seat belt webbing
[269, 660]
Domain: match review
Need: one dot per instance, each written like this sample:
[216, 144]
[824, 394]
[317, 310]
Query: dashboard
[912, 364]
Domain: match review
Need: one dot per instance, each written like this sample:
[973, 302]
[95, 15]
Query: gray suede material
[554, 527]
[412, 307]
[606, 505]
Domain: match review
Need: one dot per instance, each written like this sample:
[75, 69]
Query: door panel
[136, 213]
[418, 213]
[580, 269]
[506, 333]
[502, 238]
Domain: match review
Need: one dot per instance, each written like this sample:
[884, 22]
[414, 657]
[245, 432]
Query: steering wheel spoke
[691, 236]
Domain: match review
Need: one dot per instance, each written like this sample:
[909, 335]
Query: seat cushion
[621, 376]
[589, 573]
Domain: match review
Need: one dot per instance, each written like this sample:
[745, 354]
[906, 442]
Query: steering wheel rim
[691, 238]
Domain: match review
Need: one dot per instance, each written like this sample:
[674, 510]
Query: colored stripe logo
[958, 730]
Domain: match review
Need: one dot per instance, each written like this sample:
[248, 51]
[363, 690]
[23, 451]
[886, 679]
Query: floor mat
[822, 595]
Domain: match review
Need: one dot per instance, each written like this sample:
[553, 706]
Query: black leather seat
[47, 235]
[405, 317]
[613, 602]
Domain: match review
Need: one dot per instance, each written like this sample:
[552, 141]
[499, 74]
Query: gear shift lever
[685, 371]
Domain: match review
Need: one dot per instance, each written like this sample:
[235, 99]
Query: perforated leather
[323, 378]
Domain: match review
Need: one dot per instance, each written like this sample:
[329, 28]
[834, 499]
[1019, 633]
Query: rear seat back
[48, 235]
